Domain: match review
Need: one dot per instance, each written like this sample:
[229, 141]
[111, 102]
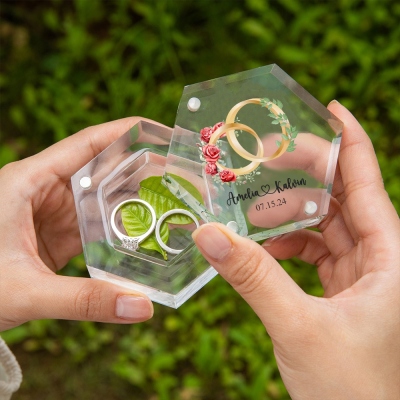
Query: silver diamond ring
[132, 242]
[162, 219]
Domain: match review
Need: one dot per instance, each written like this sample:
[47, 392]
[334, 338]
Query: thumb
[86, 299]
[254, 274]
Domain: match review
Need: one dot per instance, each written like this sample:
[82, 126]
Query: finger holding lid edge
[363, 193]
[255, 275]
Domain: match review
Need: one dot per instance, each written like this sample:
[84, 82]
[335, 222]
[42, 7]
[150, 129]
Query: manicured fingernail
[133, 308]
[212, 242]
[333, 102]
[270, 241]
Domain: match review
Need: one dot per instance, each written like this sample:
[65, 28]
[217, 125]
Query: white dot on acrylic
[194, 104]
[85, 182]
[310, 208]
[233, 226]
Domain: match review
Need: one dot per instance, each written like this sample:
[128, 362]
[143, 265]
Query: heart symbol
[266, 189]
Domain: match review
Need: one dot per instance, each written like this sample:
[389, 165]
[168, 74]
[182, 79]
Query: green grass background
[66, 65]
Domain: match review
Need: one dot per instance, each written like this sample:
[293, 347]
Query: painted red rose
[216, 126]
[206, 133]
[227, 176]
[211, 153]
[211, 169]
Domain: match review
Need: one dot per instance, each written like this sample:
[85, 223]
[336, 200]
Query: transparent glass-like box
[261, 150]
[132, 168]
[253, 150]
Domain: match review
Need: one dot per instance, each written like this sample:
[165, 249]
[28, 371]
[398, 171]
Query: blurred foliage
[66, 65]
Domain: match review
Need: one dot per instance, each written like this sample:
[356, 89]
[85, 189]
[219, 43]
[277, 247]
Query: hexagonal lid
[260, 149]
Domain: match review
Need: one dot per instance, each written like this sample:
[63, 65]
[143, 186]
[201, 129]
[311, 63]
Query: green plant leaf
[151, 242]
[136, 220]
[278, 143]
[275, 122]
[188, 187]
[162, 200]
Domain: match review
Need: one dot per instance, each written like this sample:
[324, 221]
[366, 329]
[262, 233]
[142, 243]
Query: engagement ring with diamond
[132, 242]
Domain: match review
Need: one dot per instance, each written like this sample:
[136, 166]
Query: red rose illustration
[216, 126]
[211, 169]
[211, 153]
[227, 176]
[206, 133]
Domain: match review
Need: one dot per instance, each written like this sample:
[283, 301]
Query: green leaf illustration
[278, 143]
[162, 200]
[275, 122]
[291, 147]
[137, 220]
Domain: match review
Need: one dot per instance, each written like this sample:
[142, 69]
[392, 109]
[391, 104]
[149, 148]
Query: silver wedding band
[162, 219]
[132, 242]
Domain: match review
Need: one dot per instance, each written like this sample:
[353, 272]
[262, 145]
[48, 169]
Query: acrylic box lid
[259, 148]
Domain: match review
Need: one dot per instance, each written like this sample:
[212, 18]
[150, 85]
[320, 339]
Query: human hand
[39, 235]
[345, 345]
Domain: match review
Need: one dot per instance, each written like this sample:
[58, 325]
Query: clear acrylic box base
[131, 169]
[158, 296]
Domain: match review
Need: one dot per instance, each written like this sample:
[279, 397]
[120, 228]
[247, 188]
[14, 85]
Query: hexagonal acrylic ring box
[259, 148]
[253, 150]
[124, 213]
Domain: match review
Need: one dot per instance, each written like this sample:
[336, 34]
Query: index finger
[368, 203]
[311, 155]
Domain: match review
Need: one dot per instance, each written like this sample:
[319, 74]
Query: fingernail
[212, 242]
[333, 102]
[133, 308]
[270, 241]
